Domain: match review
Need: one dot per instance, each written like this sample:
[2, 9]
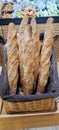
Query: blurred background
[15, 8]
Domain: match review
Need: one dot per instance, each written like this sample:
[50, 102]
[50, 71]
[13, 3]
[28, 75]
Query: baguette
[26, 61]
[12, 58]
[36, 47]
[46, 53]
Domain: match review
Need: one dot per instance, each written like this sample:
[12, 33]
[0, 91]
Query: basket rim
[24, 98]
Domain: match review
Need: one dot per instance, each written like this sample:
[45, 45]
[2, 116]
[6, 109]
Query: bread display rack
[33, 119]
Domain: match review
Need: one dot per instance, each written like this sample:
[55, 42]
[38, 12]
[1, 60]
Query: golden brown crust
[23, 25]
[36, 47]
[11, 32]
[12, 58]
[14, 85]
[26, 60]
[46, 53]
[28, 86]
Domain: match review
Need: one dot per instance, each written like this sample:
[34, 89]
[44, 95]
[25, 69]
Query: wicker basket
[34, 103]
[38, 105]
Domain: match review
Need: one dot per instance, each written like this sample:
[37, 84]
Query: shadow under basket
[37, 102]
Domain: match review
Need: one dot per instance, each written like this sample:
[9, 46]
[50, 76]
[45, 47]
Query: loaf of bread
[12, 58]
[46, 53]
[29, 49]
[26, 61]
[36, 47]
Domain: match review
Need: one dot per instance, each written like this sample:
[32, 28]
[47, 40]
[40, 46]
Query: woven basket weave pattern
[31, 106]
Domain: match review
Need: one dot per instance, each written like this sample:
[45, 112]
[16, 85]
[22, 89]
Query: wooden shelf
[17, 21]
[29, 120]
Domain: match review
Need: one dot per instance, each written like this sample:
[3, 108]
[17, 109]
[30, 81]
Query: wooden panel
[29, 120]
[4, 29]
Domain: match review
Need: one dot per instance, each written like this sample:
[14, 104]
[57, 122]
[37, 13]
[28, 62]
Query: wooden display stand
[29, 120]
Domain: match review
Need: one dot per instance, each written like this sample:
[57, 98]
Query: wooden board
[4, 29]
[29, 120]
